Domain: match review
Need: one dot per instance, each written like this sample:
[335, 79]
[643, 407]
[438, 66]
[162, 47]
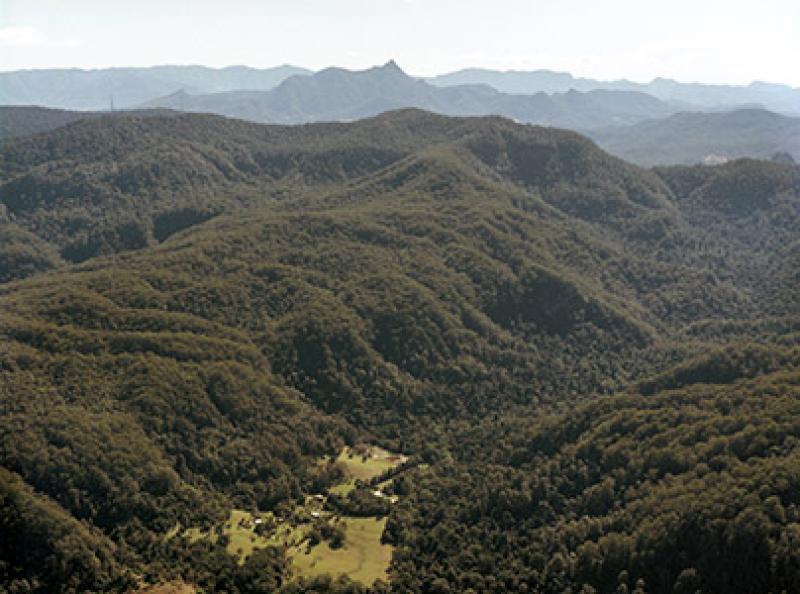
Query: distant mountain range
[687, 138]
[628, 123]
[775, 97]
[335, 94]
[94, 89]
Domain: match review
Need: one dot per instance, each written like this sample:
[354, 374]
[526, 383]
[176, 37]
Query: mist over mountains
[130, 86]
[687, 138]
[335, 94]
[662, 122]
[776, 97]
[95, 89]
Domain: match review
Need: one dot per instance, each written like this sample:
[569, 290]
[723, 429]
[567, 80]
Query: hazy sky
[733, 41]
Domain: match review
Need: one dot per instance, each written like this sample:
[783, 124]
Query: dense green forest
[593, 368]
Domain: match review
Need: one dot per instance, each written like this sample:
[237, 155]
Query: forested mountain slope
[507, 304]
[99, 186]
[24, 120]
[689, 487]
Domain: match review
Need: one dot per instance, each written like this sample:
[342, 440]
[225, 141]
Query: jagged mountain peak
[392, 65]
[338, 94]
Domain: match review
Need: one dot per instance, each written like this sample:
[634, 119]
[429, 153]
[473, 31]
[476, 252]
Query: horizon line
[423, 77]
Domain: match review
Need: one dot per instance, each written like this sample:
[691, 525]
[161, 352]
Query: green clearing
[242, 538]
[240, 530]
[344, 488]
[362, 558]
[366, 463]
[362, 463]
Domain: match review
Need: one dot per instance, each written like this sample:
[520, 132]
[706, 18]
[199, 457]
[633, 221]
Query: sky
[713, 41]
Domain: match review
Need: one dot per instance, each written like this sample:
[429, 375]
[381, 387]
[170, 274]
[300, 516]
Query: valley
[358, 297]
[571, 372]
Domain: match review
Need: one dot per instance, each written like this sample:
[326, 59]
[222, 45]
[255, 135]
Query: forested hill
[590, 365]
[24, 120]
[104, 185]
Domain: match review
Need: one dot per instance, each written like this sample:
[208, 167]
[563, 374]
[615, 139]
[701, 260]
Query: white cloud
[30, 37]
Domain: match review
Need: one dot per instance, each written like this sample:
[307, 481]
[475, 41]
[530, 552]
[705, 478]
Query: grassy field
[362, 558]
[242, 539]
[367, 462]
[344, 488]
